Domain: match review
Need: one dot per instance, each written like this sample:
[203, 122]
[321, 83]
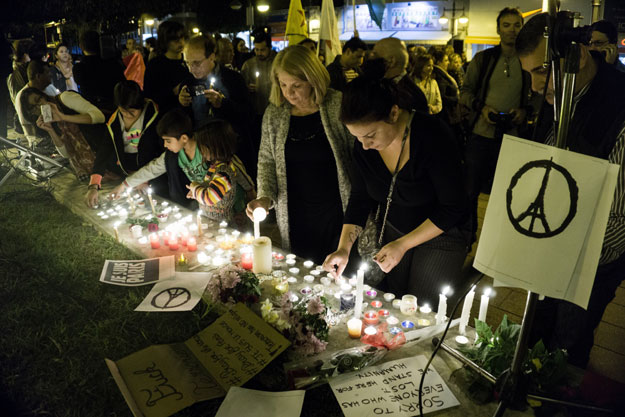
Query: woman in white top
[422, 74]
[61, 73]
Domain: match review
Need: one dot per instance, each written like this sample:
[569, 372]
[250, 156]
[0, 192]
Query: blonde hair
[299, 61]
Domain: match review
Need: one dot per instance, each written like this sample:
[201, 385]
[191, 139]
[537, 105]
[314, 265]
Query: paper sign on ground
[138, 272]
[274, 404]
[163, 379]
[537, 223]
[179, 294]
[237, 346]
[392, 389]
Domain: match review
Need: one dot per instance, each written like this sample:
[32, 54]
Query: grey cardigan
[272, 166]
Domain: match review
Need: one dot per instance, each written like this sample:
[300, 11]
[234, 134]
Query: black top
[429, 186]
[162, 75]
[315, 209]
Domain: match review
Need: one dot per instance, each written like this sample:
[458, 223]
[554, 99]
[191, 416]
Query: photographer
[604, 39]
[495, 92]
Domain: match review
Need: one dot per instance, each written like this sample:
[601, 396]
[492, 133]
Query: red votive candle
[376, 304]
[246, 260]
[371, 317]
[173, 243]
[191, 244]
[184, 238]
[155, 241]
[166, 238]
[383, 313]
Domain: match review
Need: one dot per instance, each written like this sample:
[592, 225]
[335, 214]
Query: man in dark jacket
[346, 67]
[597, 128]
[212, 91]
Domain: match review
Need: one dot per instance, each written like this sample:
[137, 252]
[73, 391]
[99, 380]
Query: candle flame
[116, 225]
[446, 290]
[182, 259]
[487, 291]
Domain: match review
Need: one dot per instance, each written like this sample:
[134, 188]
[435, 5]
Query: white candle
[308, 264]
[199, 223]
[360, 280]
[261, 252]
[484, 305]
[131, 201]
[212, 82]
[259, 214]
[115, 226]
[441, 313]
[466, 311]
[151, 201]
[257, 74]
[354, 327]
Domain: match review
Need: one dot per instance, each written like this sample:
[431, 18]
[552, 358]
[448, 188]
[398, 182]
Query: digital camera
[197, 90]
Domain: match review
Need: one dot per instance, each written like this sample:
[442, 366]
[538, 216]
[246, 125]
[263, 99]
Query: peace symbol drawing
[171, 298]
[544, 217]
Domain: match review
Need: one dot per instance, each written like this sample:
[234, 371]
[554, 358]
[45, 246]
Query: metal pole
[354, 16]
[596, 9]
[571, 67]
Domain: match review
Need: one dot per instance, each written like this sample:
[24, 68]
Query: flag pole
[354, 16]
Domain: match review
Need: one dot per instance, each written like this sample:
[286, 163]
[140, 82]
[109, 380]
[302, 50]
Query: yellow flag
[296, 28]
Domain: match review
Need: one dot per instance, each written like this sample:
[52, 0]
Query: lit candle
[131, 201]
[184, 237]
[166, 235]
[327, 281]
[466, 311]
[347, 302]
[290, 261]
[290, 256]
[370, 330]
[392, 320]
[203, 258]
[484, 305]
[372, 293]
[408, 305]
[308, 264]
[212, 82]
[426, 309]
[376, 304]
[371, 317]
[407, 324]
[423, 322]
[395, 331]
[191, 244]
[291, 280]
[257, 74]
[261, 250]
[115, 228]
[294, 270]
[360, 280]
[441, 313]
[462, 340]
[155, 241]
[383, 313]
[246, 260]
[309, 278]
[182, 260]
[397, 304]
[306, 290]
[151, 201]
[389, 296]
[199, 223]
[354, 327]
[223, 224]
[173, 243]
[259, 214]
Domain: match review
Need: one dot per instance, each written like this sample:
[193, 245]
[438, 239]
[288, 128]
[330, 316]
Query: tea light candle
[294, 271]
[282, 287]
[424, 322]
[203, 258]
[370, 330]
[383, 313]
[395, 331]
[325, 281]
[345, 287]
[259, 214]
[389, 296]
[178, 216]
[462, 340]
[392, 320]
[407, 324]
[290, 261]
[222, 231]
[290, 256]
[353, 281]
[408, 304]
[198, 218]
[155, 241]
[354, 328]
[347, 302]
[173, 243]
[176, 209]
[105, 216]
[115, 228]
[143, 240]
[371, 317]
[306, 290]
[366, 287]
[371, 293]
[309, 278]
[219, 261]
[247, 239]
[151, 201]
[308, 264]
[247, 260]
[484, 305]
[184, 237]
[136, 231]
[262, 255]
[441, 313]
[397, 304]
[318, 288]
[338, 294]
[191, 244]
[426, 309]
[291, 280]
[376, 304]
[278, 256]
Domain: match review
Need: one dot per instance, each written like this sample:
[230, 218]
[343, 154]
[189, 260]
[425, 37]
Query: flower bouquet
[150, 224]
[304, 323]
[232, 284]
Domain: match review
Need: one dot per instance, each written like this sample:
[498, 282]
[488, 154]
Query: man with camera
[495, 92]
[597, 128]
[604, 39]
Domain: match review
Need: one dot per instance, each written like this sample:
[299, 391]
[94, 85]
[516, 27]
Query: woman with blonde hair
[304, 163]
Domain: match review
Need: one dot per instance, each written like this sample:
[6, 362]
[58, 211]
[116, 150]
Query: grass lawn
[58, 322]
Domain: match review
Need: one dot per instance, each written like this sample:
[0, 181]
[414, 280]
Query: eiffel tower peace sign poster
[546, 219]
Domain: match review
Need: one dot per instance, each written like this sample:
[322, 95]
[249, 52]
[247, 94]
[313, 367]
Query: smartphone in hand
[46, 113]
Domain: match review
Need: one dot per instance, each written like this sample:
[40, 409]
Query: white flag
[329, 31]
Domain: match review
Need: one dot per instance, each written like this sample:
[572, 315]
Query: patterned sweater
[272, 182]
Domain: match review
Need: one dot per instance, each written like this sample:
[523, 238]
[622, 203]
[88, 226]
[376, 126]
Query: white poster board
[392, 389]
[537, 232]
[179, 294]
[275, 404]
[134, 273]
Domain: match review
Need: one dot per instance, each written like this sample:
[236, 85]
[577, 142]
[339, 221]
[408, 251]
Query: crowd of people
[403, 135]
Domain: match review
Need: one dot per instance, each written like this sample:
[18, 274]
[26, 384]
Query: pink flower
[315, 306]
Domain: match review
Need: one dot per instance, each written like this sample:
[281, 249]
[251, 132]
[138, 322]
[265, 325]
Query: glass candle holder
[354, 328]
[371, 293]
[408, 305]
[371, 317]
[376, 304]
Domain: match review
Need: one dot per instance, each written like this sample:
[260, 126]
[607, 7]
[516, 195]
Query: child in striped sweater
[226, 186]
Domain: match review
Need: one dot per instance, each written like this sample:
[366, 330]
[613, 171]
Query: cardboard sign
[546, 219]
[138, 272]
[179, 294]
[392, 389]
[163, 379]
[237, 346]
[274, 404]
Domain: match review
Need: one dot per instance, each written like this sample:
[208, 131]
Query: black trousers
[567, 326]
[427, 268]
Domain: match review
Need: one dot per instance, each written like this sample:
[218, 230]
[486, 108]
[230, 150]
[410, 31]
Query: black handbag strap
[389, 197]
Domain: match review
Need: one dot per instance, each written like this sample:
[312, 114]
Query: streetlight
[262, 6]
[463, 19]
[196, 30]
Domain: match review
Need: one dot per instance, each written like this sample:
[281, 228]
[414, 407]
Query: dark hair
[514, 11]
[368, 99]
[90, 42]
[531, 34]
[168, 31]
[219, 138]
[36, 68]
[308, 40]
[59, 46]
[128, 95]
[21, 48]
[354, 44]
[263, 37]
[419, 63]
[438, 54]
[606, 28]
[27, 108]
[151, 42]
[175, 123]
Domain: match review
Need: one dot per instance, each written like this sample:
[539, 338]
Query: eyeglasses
[195, 64]
[597, 44]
